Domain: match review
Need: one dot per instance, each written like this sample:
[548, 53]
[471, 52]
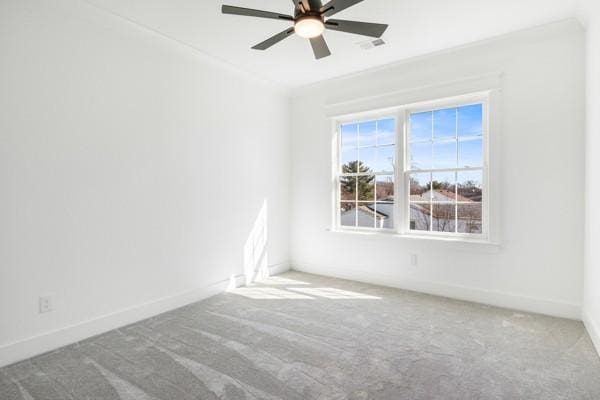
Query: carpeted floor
[300, 336]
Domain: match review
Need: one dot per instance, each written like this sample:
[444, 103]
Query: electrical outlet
[46, 304]
[414, 260]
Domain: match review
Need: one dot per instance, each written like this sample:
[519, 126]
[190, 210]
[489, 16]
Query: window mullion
[400, 177]
[375, 204]
[431, 174]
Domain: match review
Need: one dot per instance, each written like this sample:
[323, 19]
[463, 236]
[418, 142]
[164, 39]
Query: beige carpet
[300, 336]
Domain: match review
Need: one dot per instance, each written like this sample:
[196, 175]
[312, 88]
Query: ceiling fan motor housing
[309, 25]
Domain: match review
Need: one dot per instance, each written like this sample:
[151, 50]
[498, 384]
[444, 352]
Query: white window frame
[364, 117]
[402, 173]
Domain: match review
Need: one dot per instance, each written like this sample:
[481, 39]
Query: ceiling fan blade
[274, 40]
[320, 47]
[335, 6]
[359, 28]
[248, 12]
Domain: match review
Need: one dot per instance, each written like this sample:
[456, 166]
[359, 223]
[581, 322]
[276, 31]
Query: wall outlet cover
[414, 260]
[45, 304]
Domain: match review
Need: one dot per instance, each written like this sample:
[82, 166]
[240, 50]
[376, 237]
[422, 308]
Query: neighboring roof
[419, 197]
[452, 195]
[384, 210]
[448, 194]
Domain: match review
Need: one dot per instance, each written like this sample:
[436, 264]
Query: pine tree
[363, 184]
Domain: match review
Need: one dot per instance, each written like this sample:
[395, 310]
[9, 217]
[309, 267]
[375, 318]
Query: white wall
[538, 160]
[132, 171]
[590, 13]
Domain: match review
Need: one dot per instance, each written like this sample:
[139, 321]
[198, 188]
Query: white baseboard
[14, 352]
[493, 298]
[593, 328]
[279, 269]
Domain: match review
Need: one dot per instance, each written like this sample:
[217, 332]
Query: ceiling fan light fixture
[309, 27]
[311, 18]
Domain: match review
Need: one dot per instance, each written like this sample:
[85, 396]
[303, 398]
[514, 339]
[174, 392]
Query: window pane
[385, 215]
[368, 158]
[366, 188]
[444, 186]
[368, 133]
[347, 214]
[350, 168]
[421, 156]
[469, 186]
[350, 135]
[348, 188]
[419, 187]
[444, 124]
[386, 132]
[420, 217]
[348, 160]
[444, 218]
[470, 153]
[444, 155]
[366, 215]
[386, 159]
[421, 126]
[349, 148]
[385, 188]
[469, 218]
[470, 120]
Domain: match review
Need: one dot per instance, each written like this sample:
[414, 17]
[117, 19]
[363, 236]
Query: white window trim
[365, 117]
[402, 182]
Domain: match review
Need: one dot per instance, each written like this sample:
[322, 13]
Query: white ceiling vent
[371, 44]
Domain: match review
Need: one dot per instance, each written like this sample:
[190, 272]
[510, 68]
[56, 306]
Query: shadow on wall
[256, 263]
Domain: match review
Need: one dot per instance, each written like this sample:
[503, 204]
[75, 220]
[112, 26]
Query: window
[445, 170]
[417, 170]
[366, 172]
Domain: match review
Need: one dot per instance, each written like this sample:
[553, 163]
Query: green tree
[364, 185]
[437, 185]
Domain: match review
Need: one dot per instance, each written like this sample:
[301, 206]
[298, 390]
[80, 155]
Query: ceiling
[417, 27]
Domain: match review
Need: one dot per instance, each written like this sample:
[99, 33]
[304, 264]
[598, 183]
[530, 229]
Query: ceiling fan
[310, 19]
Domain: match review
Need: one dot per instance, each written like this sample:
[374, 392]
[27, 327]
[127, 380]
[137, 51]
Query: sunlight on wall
[255, 249]
[258, 281]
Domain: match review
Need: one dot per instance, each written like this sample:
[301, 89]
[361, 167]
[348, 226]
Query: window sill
[452, 242]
